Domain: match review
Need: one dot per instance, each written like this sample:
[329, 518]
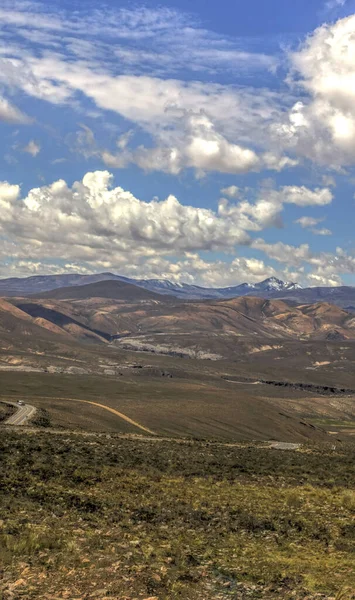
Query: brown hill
[138, 350]
[241, 318]
[115, 290]
[20, 332]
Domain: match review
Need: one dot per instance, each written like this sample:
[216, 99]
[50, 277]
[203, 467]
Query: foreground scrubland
[96, 516]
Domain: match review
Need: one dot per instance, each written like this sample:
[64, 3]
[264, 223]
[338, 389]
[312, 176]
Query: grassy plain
[197, 407]
[87, 515]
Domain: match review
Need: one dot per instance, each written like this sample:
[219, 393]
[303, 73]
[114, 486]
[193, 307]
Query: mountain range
[43, 283]
[343, 296]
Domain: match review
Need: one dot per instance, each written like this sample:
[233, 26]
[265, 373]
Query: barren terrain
[209, 369]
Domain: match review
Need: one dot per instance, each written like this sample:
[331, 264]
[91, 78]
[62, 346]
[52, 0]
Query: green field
[99, 516]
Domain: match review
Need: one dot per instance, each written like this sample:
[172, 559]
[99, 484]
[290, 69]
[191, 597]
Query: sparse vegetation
[5, 411]
[95, 515]
[100, 516]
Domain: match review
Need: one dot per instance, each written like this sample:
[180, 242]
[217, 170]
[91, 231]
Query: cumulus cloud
[326, 268]
[103, 227]
[93, 215]
[207, 149]
[322, 127]
[285, 253]
[266, 210]
[303, 196]
[33, 148]
[196, 144]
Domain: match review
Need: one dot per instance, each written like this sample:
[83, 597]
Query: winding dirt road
[113, 411]
[26, 412]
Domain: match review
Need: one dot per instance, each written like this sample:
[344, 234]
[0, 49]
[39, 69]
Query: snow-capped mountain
[272, 287]
[36, 284]
[185, 290]
[272, 284]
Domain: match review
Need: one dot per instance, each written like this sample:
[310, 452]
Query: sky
[205, 142]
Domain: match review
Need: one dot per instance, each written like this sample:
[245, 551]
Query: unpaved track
[111, 410]
[24, 413]
[115, 412]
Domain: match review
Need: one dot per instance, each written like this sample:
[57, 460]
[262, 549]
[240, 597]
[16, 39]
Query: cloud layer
[106, 57]
[99, 226]
[188, 101]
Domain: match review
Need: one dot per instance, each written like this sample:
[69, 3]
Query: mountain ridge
[343, 296]
[42, 283]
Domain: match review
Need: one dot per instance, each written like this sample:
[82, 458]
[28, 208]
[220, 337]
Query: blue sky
[211, 143]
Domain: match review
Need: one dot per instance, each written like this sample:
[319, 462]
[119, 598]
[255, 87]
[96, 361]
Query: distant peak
[272, 283]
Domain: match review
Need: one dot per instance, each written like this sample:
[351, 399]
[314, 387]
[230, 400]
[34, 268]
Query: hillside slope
[115, 290]
[117, 309]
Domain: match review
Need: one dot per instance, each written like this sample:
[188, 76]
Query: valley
[171, 440]
[177, 367]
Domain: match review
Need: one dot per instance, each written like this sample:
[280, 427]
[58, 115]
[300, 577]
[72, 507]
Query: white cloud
[59, 161]
[322, 231]
[141, 38]
[194, 123]
[194, 144]
[33, 148]
[310, 223]
[93, 217]
[333, 4]
[232, 191]
[10, 114]
[302, 196]
[197, 124]
[266, 210]
[209, 150]
[285, 253]
[106, 228]
[326, 268]
[307, 222]
[322, 127]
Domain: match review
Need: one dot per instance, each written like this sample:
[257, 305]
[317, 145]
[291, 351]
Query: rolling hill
[224, 329]
[25, 286]
[115, 309]
[132, 349]
[115, 290]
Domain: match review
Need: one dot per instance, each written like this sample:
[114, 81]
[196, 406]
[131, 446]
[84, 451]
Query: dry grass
[192, 520]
